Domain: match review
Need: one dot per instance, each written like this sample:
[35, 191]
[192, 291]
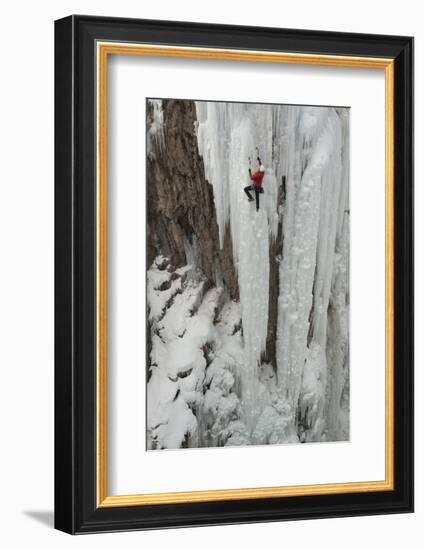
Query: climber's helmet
[261, 168]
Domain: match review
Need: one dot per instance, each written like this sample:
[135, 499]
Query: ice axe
[257, 154]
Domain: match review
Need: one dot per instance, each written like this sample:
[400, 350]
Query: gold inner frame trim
[103, 50]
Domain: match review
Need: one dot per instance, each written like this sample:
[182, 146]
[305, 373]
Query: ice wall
[314, 220]
[307, 145]
[227, 135]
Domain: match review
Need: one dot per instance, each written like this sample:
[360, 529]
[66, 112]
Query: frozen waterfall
[236, 133]
[308, 147]
[248, 311]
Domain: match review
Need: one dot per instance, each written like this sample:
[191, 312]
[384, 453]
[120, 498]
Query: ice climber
[256, 178]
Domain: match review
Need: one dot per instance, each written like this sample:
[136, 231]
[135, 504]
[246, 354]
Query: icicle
[155, 131]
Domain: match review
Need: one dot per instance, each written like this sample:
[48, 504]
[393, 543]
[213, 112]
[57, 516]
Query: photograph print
[247, 258]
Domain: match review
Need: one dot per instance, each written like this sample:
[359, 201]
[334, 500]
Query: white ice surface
[309, 147]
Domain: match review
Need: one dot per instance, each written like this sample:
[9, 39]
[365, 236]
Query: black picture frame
[76, 510]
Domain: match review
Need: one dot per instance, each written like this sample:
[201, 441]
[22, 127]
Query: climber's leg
[257, 193]
[247, 191]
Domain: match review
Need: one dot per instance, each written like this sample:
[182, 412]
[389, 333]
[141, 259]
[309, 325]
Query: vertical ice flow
[307, 145]
[228, 134]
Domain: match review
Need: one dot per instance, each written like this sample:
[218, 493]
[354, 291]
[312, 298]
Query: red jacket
[257, 178]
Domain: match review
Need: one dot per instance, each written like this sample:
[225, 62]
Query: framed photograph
[234, 274]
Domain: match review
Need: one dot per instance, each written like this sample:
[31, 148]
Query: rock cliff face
[275, 255]
[181, 215]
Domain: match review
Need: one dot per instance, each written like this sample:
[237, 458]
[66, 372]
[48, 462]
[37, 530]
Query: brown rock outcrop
[275, 256]
[180, 207]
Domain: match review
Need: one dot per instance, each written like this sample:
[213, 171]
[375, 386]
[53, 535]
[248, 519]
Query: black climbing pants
[257, 191]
